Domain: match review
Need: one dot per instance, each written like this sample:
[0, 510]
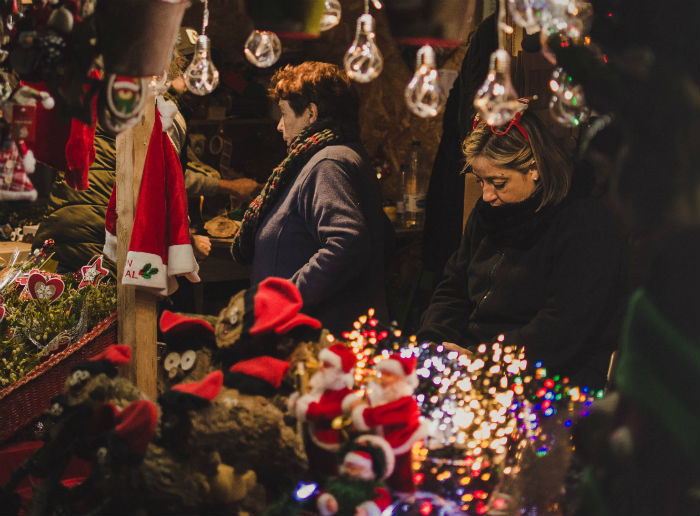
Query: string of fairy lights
[482, 410]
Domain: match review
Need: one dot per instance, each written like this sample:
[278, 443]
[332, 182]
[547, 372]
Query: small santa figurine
[393, 412]
[330, 386]
[358, 489]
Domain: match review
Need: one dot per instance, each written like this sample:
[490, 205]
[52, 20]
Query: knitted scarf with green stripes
[308, 142]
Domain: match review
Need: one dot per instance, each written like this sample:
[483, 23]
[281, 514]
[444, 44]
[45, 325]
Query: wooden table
[7, 248]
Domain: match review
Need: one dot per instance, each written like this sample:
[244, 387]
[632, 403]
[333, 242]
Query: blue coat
[329, 235]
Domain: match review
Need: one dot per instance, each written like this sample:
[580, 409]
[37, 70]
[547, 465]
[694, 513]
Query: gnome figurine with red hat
[330, 387]
[393, 411]
[190, 345]
[264, 320]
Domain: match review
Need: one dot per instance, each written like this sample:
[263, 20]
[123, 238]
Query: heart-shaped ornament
[42, 289]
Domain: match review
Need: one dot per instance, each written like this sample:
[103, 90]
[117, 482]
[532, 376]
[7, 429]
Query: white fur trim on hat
[181, 262]
[358, 418]
[394, 366]
[328, 356]
[135, 263]
[382, 444]
[371, 508]
[321, 504]
[359, 460]
[110, 247]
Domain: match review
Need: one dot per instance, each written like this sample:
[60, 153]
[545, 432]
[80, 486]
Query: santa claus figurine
[330, 386]
[358, 489]
[393, 412]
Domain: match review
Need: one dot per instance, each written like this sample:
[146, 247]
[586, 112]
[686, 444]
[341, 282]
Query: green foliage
[30, 325]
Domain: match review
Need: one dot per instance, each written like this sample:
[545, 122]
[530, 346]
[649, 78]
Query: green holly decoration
[147, 271]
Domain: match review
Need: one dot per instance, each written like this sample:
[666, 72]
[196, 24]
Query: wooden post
[136, 309]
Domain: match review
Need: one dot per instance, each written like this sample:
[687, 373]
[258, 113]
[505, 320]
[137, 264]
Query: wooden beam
[136, 308]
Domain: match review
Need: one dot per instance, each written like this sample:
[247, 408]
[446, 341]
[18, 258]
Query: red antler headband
[514, 122]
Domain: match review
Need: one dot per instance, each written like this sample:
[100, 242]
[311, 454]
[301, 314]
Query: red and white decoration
[15, 165]
[160, 247]
[45, 289]
[92, 274]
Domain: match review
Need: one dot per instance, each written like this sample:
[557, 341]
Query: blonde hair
[513, 151]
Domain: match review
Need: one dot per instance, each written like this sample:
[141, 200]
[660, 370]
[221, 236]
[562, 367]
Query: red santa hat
[342, 358]
[195, 395]
[136, 425]
[275, 305]
[105, 362]
[402, 366]
[160, 246]
[260, 375]
[172, 324]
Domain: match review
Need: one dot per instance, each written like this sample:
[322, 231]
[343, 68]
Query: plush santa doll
[393, 412]
[330, 386]
[358, 489]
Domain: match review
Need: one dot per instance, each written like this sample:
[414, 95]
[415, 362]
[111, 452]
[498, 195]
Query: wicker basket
[27, 398]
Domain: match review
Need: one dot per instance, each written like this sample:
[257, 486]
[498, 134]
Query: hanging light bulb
[262, 48]
[528, 13]
[201, 76]
[496, 100]
[423, 94]
[363, 61]
[159, 84]
[331, 15]
[568, 103]
[572, 18]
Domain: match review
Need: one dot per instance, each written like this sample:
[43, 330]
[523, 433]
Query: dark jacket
[329, 235]
[552, 281]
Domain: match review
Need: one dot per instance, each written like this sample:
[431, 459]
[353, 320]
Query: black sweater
[551, 280]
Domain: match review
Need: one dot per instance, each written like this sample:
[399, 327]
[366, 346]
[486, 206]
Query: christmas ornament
[262, 48]
[159, 84]
[201, 76]
[363, 61]
[126, 96]
[423, 94]
[496, 101]
[93, 273]
[43, 289]
[568, 102]
[331, 14]
[571, 18]
[2, 312]
[528, 13]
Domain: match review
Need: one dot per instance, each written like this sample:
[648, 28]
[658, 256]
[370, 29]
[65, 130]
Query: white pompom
[29, 162]
[47, 101]
[167, 110]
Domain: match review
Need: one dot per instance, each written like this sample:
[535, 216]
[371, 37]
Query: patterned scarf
[308, 142]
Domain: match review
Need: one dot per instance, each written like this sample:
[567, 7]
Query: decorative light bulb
[572, 18]
[568, 103]
[528, 13]
[363, 61]
[496, 100]
[159, 84]
[423, 94]
[331, 15]
[201, 76]
[262, 48]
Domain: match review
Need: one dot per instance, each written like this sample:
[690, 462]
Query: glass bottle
[414, 191]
